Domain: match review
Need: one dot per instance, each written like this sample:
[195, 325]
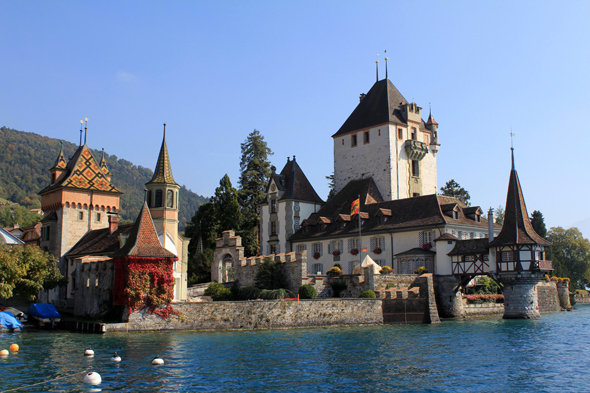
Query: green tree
[18, 215]
[499, 215]
[227, 207]
[199, 267]
[331, 186]
[538, 223]
[25, 271]
[570, 254]
[203, 229]
[270, 275]
[453, 189]
[254, 175]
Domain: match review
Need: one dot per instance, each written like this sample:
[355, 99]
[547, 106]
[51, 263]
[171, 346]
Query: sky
[215, 71]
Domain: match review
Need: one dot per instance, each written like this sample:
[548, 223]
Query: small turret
[432, 125]
[104, 168]
[59, 167]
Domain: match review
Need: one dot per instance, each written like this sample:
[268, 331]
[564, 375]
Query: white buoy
[116, 358]
[157, 360]
[88, 352]
[93, 379]
[4, 352]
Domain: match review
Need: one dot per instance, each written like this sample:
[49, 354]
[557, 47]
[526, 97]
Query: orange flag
[354, 208]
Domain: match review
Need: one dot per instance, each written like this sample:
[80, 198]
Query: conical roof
[517, 228]
[163, 171]
[380, 105]
[103, 165]
[60, 162]
[143, 240]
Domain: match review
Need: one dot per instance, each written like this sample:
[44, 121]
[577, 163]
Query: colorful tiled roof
[60, 162]
[163, 171]
[83, 172]
[143, 239]
[103, 165]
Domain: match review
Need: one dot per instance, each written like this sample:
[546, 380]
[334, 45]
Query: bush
[270, 275]
[248, 292]
[489, 298]
[335, 270]
[368, 294]
[275, 294]
[218, 292]
[391, 285]
[386, 270]
[307, 291]
[338, 287]
[421, 270]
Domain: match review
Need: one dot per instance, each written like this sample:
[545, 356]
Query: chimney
[491, 224]
[362, 96]
[113, 222]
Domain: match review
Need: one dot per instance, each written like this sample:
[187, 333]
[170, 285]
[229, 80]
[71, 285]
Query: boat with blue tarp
[44, 313]
[8, 322]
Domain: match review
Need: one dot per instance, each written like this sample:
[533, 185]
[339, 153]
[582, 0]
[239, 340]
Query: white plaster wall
[443, 265]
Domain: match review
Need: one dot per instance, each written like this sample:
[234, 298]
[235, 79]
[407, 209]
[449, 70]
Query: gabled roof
[99, 242]
[380, 105]
[416, 251]
[470, 246]
[83, 172]
[143, 239]
[446, 236]
[163, 171]
[294, 184]
[517, 228]
[8, 238]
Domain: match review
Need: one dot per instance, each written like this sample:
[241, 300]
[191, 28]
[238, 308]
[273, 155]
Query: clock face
[273, 187]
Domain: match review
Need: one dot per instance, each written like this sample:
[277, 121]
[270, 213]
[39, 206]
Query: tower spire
[386, 77]
[85, 129]
[377, 68]
[81, 126]
[512, 147]
[163, 171]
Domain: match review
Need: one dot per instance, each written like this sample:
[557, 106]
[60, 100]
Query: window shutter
[421, 239]
[349, 245]
[341, 246]
[372, 244]
[432, 235]
[383, 244]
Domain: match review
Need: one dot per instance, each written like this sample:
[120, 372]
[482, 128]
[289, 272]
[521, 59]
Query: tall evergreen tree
[453, 189]
[254, 176]
[538, 223]
[332, 186]
[202, 230]
[499, 215]
[227, 208]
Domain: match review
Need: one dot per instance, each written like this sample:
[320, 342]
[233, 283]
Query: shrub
[479, 299]
[218, 291]
[275, 294]
[391, 285]
[386, 270]
[307, 291]
[487, 285]
[421, 270]
[368, 294]
[338, 287]
[270, 275]
[248, 292]
[335, 270]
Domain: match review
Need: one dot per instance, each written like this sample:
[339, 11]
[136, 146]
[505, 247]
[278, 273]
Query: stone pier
[520, 294]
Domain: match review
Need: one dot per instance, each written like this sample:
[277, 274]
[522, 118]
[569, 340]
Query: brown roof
[294, 184]
[163, 171]
[143, 240]
[517, 228]
[446, 236]
[99, 242]
[83, 172]
[470, 246]
[416, 250]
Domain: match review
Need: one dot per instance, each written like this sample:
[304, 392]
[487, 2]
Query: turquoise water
[487, 355]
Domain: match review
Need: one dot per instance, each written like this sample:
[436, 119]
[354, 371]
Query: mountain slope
[25, 159]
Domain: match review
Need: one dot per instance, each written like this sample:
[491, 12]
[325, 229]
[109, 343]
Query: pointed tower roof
[143, 239]
[60, 162]
[83, 172]
[380, 105]
[517, 228]
[103, 165]
[295, 184]
[163, 171]
[431, 120]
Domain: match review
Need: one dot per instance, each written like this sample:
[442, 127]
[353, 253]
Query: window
[353, 244]
[158, 198]
[273, 228]
[53, 177]
[414, 134]
[317, 268]
[353, 140]
[301, 247]
[47, 233]
[87, 282]
[96, 282]
[297, 226]
[149, 198]
[400, 133]
[506, 256]
[273, 248]
[416, 194]
[415, 168]
[296, 206]
[273, 206]
[80, 215]
[343, 141]
[366, 137]
[379, 132]
[169, 198]
[468, 258]
[316, 248]
[98, 217]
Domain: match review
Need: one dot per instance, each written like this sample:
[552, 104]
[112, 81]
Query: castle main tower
[385, 138]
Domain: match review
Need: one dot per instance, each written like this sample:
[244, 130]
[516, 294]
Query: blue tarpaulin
[8, 321]
[43, 311]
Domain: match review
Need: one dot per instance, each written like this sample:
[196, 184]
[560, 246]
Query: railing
[544, 265]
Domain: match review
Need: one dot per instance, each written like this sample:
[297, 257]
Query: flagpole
[360, 237]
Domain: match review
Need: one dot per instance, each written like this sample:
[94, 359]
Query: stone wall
[547, 297]
[413, 304]
[520, 294]
[93, 287]
[480, 310]
[449, 302]
[563, 293]
[259, 315]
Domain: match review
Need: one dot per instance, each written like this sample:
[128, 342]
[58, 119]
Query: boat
[44, 313]
[8, 322]
[18, 314]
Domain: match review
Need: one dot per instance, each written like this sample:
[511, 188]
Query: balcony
[415, 150]
[543, 265]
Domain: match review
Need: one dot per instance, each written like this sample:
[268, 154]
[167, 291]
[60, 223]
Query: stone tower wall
[521, 295]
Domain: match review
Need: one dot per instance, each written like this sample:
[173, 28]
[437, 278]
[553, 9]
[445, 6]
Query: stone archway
[226, 259]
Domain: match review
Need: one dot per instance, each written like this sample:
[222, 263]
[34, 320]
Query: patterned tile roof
[60, 162]
[83, 172]
[163, 171]
[103, 165]
[143, 240]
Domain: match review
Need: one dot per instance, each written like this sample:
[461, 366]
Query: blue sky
[214, 71]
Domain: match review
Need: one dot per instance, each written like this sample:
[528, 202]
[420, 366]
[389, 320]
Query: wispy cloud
[125, 76]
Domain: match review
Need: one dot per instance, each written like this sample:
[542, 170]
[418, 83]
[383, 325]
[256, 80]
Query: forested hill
[25, 159]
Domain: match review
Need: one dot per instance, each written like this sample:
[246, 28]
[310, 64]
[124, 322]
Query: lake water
[486, 355]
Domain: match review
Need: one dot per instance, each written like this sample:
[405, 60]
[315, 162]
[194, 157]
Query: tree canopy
[570, 254]
[453, 189]
[254, 176]
[227, 207]
[10, 215]
[25, 271]
[270, 275]
[499, 215]
[331, 186]
[538, 223]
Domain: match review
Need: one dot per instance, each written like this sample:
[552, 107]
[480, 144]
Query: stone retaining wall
[547, 296]
[479, 310]
[259, 315]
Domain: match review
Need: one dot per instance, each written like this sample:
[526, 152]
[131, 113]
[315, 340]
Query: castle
[81, 228]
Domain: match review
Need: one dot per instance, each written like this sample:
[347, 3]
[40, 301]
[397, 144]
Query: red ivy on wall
[145, 282]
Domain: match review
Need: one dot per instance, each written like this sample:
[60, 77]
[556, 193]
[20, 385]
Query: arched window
[169, 198]
[158, 198]
[149, 198]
